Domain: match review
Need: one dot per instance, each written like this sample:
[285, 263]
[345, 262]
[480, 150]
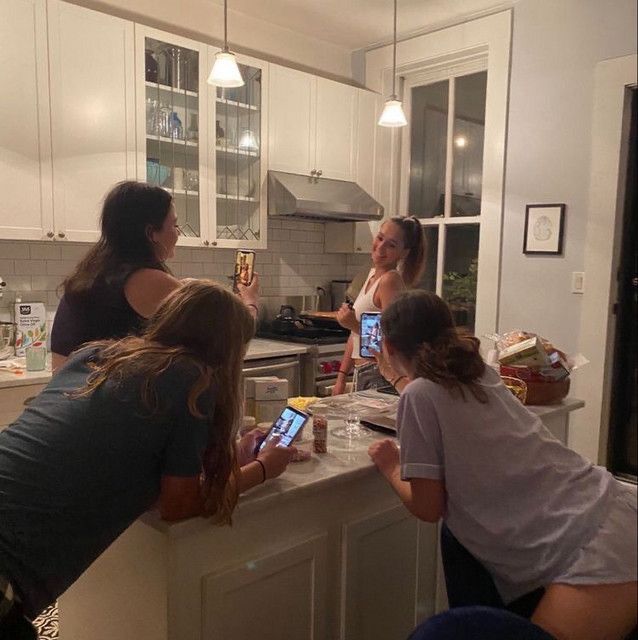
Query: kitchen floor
[47, 623]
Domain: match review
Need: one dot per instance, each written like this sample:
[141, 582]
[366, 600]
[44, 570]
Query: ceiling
[358, 24]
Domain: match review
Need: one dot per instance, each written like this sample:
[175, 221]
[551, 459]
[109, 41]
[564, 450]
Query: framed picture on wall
[544, 228]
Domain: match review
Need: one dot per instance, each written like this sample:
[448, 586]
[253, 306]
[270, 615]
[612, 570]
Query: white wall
[555, 48]
[203, 20]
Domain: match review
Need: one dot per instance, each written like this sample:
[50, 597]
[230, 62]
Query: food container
[540, 391]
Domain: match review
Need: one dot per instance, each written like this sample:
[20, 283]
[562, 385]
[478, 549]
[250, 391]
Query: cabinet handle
[206, 243]
[358, 249]
[319, 172]
[50, 234]
[313, 172]
[61, 234]
[214, 243]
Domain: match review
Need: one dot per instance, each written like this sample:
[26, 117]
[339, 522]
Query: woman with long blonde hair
[123, 426]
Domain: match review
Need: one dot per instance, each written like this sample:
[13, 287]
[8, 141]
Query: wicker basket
[551, 392]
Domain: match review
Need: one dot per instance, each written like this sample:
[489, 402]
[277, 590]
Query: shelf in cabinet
[176, 141]
[226, 196]
[237, 105]
[239, 152]
[182, 192]
[167, 88]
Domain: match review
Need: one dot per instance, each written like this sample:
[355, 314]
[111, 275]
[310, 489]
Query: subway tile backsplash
[293, 264]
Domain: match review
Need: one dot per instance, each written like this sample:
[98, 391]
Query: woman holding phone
[123, 278]
[398, 259]
[123, 426]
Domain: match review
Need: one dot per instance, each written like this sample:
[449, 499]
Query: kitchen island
[326, 551]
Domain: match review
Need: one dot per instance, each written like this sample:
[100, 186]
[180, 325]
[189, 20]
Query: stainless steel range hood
[292, 194]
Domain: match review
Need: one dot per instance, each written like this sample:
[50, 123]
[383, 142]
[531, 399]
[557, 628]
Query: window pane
[428, 135]
[469, 128]
[460, 272]
[428, 279]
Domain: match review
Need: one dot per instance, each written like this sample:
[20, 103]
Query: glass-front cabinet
[200, 142]
[172, 104]
[238, 211]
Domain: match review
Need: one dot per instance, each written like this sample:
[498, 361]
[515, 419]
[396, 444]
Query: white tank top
[363, 304]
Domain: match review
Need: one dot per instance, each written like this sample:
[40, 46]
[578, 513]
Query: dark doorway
[623, 429]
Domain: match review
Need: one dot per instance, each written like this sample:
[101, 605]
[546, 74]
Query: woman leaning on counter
[123, 278]
[142, 421]
[398, 258]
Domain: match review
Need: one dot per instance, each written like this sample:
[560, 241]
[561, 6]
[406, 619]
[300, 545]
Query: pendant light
[392, 115]
[225, 72]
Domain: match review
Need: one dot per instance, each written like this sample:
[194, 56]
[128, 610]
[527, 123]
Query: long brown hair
[420, 327]
[204, 325]
[130, 209]
[414, 242]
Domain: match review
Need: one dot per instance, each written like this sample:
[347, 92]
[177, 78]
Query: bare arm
[390, 286]
[424, 498]
[345, 367]
[146, 289]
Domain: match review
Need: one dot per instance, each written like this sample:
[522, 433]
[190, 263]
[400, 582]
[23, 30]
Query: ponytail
[414, 240]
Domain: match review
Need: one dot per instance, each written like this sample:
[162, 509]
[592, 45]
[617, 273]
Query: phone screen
[370, 332]
[244, 267]
[287, 425]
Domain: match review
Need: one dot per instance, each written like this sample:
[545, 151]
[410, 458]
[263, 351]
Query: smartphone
[244, 267]
[287, 425]
[370, 334]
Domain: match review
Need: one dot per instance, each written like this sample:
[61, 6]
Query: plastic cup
[36, 357]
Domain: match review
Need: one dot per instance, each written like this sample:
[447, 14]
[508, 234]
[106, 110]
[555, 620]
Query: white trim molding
[606, 198]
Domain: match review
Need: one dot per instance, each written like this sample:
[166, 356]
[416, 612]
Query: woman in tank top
[123, 278]
[398, 257]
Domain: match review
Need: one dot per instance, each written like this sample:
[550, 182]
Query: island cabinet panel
[381, 575]
[283, 595]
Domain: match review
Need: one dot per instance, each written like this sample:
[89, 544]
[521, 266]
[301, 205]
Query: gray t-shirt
[76, 472]
[517, 498]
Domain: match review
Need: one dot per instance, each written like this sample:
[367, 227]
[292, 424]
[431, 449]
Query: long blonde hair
[204, 325]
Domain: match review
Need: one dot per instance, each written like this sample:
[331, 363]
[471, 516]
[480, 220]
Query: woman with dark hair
[533, 512]
[123, 278]
[398, 259]
[125, 425]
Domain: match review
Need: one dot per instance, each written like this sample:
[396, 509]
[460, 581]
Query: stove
[304, 339]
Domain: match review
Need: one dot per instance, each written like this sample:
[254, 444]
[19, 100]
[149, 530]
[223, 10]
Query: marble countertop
[344, 461]
[257, 349]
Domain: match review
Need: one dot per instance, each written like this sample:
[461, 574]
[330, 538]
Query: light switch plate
[578, 282]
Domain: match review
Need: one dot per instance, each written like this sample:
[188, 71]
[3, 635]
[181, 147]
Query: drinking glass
[353, 425]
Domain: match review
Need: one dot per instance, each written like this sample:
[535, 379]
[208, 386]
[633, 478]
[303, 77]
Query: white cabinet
[238, 157]
[172, 131]
[25, 144]
[92, 113]
[312, 125]
[356, 237]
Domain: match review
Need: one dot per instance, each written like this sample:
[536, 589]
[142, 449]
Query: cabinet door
[336, 129]
[25, 153]
[172, 135]
[292, 120]
[282, 596]
[239, 157]
[381, 574]
[92, 113]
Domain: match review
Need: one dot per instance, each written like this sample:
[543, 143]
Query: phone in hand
[370, 334]
[287, 425]
[244, 268]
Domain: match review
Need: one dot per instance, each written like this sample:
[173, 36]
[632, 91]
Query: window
[443, 179]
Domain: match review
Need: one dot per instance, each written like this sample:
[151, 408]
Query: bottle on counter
[320, 433]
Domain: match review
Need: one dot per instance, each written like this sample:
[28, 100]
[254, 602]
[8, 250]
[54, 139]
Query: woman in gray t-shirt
[535, 513]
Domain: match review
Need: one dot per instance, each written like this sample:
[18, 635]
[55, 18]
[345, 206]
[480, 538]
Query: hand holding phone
[370, 334]
[244, 268]
[287, 426]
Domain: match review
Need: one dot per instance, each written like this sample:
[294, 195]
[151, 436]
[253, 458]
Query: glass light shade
[248, 142]
[225, 72]
[393, 115]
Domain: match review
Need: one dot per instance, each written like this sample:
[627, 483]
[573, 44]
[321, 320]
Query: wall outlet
[578, 282]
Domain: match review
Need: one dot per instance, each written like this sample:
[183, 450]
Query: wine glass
[353, 428]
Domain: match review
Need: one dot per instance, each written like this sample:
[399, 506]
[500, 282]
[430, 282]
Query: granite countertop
[258, 348]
